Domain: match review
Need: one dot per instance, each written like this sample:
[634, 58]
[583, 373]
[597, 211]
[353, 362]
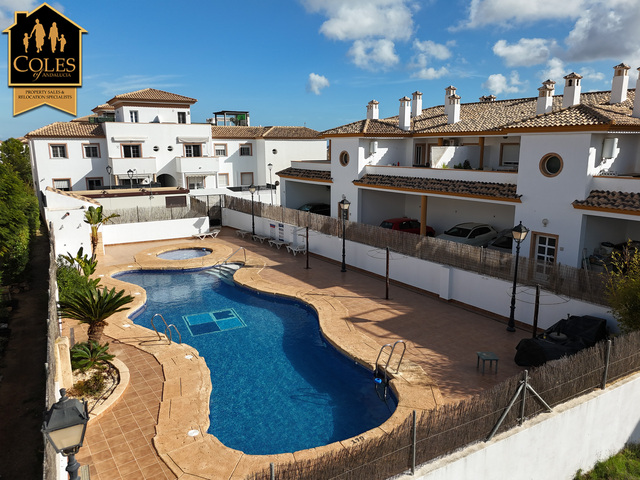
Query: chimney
[453, 114]
[620, 83]
[572, 87]
[405, 112]
[450, 90]
[417, 104]
[487, 98]
[636, 100]
[545, 97]
[372, 110]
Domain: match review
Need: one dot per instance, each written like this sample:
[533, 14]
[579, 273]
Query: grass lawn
[625, 465]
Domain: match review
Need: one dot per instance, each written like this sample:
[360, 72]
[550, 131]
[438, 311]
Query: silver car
[477, 234]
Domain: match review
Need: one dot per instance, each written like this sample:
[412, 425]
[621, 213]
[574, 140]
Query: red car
[405, 224]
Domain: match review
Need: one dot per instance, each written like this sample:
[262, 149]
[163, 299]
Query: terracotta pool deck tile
[442, 338]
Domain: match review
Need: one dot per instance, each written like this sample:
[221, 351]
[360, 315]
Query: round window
[156, 148]
[170, 148]
[344, 158]
[551, 165]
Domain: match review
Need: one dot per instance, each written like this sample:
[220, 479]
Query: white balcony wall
[448, 157]
[445, 173]
[197, 165]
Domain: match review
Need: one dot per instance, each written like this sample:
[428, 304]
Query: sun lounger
[296, 249]
[242, 233]
[212, 232]
[277, 243]
[260, 237]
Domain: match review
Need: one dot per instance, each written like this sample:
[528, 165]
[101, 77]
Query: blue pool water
[277, 385]
[184, 253]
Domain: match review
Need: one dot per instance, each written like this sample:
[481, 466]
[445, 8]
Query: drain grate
[211, 322]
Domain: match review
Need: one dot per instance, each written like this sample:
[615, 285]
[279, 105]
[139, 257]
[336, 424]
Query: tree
[15, 153]
[623, 287]
[94, 217]
[94, 306]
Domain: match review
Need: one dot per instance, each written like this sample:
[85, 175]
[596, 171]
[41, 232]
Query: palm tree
[93, 306]
[93, 216]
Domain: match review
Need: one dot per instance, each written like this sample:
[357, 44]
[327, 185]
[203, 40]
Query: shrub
[88, 355]
[90, 387]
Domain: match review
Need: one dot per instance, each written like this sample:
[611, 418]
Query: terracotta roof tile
[607, 200]
[500, 191]
[74, 129]
[152, 95]
[304, 174]
[387, 126]
[262, 132]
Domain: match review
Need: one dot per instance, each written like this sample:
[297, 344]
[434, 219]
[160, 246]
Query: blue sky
[319, 62]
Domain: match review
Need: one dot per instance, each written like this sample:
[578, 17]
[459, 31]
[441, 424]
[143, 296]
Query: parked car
[405, 224]
[319, 208]
[477, 234]
[503, 242]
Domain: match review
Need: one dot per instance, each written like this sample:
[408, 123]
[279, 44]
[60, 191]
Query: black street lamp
[65, 424]
[270, 184]
[344, 211]
[130, 173]
[519, 234]
[109, 172]
[252, 189]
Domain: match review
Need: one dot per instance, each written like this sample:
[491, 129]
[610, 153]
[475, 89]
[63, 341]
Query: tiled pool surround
[186, 389]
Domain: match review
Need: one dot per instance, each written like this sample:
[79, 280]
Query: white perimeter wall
[149, 231]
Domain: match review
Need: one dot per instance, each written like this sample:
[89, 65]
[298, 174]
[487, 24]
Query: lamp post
[65, 424]
[344, 211]
[130, 173]
[109, 172]
[252, 189]
[270, 184]
[519, 234]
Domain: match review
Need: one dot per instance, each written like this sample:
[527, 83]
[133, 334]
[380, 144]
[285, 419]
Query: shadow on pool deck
[441, 337]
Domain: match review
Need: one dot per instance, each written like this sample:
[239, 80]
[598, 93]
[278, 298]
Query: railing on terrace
[560, 279]
[454, 426]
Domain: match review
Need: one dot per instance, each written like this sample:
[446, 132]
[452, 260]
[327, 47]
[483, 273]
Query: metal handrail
[222, 262]
[177, 331]
[167, 329]
[386, 365]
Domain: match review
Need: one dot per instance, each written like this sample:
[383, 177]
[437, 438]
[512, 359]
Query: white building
[146, 138]
[567, 166]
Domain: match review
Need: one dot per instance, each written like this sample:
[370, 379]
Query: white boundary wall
[551, 446]
[479, 291]
[113, 234]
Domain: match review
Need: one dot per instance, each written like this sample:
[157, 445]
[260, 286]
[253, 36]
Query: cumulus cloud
[373, 54]
[432, 49]
[316, 83]
[361, 19]
[504, 12]
[8, 7]
[498, 83]
[431, 73]
[527, 51]
[555, 70]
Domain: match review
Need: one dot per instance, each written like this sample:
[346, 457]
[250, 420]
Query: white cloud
[526, 52]
[432, 49]
[555, 70]
[504, 12]
[431, 73]
[8, 7]
[498, 83]
[362, 19]
[316, 83]
[373, 54]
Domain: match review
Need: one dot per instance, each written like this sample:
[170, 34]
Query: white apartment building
[146, 139]
[567, 166]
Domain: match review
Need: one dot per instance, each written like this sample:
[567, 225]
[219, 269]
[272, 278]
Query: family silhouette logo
[45, 60]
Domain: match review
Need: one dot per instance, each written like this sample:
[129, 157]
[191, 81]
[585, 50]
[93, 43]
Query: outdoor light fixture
[270, 184]
[252, 189]
[64, 426]
[344, 210]
[519, 233]
[109, 172]
[130, 173]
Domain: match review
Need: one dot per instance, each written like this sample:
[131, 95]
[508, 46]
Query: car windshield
[458, 232]
[306, 208]
[386, 225]
[503, 242]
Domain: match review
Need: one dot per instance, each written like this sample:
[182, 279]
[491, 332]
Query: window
[133, 116]
[58, 151]
[246, 150]
[220, 149]
[509, 155]
[62, 184]
[223, 180]
[344, 158]
[94, 183]
[91, 150]
[246, 178]
[175, 202]
[551, 165]
[192, 150]
[131, 151]
[545, 247]
[419, 157]
[195, 182]
[182, 117]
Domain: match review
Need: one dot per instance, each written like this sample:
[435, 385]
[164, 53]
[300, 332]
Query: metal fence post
[273, 471]
[606, 365]
[413, 445]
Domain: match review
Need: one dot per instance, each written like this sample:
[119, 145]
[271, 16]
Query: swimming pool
[184, 253]
[277, 385]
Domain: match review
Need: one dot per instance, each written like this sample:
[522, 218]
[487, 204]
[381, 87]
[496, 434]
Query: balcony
[468, 175]
[140, 165]
[197, 165]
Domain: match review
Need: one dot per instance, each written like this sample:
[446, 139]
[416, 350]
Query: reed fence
[454, 426]
[562, 280]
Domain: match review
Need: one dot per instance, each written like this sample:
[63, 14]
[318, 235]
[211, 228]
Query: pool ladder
[167, 329]
[384, 368]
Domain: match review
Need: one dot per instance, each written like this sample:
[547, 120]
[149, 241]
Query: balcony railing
[142, 166]
[198, 165]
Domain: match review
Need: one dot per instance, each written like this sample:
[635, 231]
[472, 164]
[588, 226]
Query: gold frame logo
[45, 60]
